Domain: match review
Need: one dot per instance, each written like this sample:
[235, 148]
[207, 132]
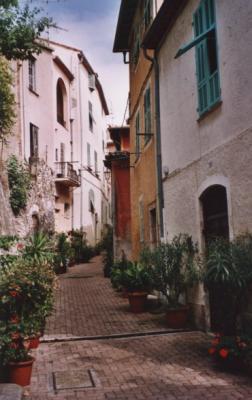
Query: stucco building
[134, 20]
[118, 163]
[203, 51]
[61, 124]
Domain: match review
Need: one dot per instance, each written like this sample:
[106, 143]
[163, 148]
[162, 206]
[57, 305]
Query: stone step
[10, 391]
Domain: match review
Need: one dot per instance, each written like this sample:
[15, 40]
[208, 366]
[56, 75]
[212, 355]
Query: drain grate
[77, 379]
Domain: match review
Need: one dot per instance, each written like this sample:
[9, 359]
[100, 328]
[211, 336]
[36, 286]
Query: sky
[90, 25]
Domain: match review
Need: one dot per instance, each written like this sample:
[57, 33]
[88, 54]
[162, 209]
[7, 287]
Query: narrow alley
[75, 361]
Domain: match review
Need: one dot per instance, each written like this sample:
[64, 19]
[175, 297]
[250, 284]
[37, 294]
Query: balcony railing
[66, 174]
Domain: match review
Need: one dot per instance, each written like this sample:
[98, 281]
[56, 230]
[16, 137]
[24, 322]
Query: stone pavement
[172, 366]
[86, 305]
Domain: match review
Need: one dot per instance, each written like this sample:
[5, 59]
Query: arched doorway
[215, 213]
[215, 225]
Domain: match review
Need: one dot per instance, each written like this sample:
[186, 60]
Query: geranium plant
[230, 348]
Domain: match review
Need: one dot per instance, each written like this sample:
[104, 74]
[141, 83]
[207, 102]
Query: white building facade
[62, 123]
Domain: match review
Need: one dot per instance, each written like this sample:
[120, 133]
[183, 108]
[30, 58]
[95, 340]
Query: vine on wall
[19, 184]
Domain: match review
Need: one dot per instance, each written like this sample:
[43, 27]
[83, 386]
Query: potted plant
[137, 280]
[227, 277]
[175, 270]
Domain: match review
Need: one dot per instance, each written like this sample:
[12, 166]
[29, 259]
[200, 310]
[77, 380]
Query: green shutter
[207, 79]
[147, 115]
[137, 130]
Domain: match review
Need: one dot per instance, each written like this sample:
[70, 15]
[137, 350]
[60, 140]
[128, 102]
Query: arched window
[61, 102]
[215, 212]
[91, 200]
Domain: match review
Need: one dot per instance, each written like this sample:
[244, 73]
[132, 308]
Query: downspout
[160, 193]
[81, 151]
[71, 144]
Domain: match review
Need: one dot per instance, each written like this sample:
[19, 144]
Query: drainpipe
[81, 150]
[160, 193]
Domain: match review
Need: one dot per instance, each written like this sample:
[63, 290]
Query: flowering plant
[230, 348]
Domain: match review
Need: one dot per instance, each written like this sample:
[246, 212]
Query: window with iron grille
[96, 162]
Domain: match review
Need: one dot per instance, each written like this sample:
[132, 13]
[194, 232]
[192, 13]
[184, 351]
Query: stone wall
[39, 212]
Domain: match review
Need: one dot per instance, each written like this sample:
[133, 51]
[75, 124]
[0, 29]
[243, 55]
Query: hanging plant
[19, 184]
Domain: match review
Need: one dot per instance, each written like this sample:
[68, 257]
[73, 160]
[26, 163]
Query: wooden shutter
[147, 114]
[34, 141]
[88, 155]
[207, 76]
[137, 130]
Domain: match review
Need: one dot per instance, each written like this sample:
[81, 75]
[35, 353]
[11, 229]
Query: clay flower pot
[20, 372]
[137, 301]
[177, 317]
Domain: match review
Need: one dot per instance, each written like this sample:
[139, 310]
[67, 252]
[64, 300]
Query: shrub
[19, 183]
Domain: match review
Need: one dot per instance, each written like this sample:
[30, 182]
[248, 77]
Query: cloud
[94, 35]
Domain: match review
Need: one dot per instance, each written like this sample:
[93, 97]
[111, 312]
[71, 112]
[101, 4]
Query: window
[137, 130]
[91, 200]
[147, 115]
[33, 141]
[91, 118]
[67, 209]
[56, 155]
[136, 45]
[96, 162]
[205, 43]
[88, 155]
[148, 13]
[62, 152]
[61, 102]
[141, 220]
[32, 74]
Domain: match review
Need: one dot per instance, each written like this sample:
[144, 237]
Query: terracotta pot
[177, 317]
[34, 342]
[125, 293]
[137, 301]
[20, 372]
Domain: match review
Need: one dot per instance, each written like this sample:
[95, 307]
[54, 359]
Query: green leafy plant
[20, 29]
[63, 253]
[227, 276]
[175, 267]
[39, 248]
[82, 251]
[135, 278]
[19, 183]
[106, 245]
[7, 241]
[7, 103]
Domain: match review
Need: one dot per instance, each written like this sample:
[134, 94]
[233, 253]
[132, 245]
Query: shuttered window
[137, 130]
[205, 43]
[147, 115]
[141, 220]
[148, 13]
[34, 151]
[88, 155]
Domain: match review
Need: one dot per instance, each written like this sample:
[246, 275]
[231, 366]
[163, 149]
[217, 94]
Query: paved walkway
[171, 366]
[86, 305]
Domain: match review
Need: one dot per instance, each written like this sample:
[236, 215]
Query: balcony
[66, 174]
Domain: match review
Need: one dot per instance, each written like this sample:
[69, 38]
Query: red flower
[224, 353]
[14, 345]
[14, 319]
[211, 350]
[13, 293]
[215, 342]
[20, 246]
[15, 336]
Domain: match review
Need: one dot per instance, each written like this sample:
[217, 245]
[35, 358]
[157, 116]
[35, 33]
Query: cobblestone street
[172, 366]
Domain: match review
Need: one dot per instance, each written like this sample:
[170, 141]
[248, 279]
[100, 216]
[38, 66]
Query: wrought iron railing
[66, 170]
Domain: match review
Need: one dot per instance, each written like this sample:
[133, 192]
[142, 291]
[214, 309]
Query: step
[10, 391]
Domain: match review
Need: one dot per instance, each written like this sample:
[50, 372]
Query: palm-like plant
[39, 248]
